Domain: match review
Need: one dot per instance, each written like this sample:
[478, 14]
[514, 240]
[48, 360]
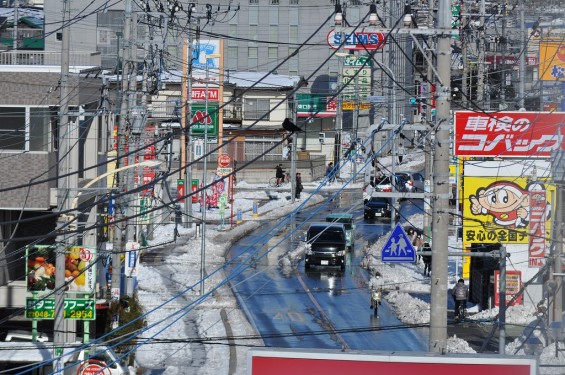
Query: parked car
[384, 184]
[347, 220]
[25, 336]
[377, 207]
[414, 181]
[328, 245]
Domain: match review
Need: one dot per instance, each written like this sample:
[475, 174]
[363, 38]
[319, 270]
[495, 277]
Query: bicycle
[273, 181]
[462, 313]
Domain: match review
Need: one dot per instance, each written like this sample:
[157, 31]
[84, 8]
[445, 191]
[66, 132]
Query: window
[253, 1]
[293, 2]
[253, 32]
[273, 33]
[273, 57]
[252, 58]
[25, 128]
[274, 2]
[254, 109]
[274, 16]
[231, 62]
[293, 34]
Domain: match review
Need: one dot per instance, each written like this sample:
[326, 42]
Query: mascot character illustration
[506, 202]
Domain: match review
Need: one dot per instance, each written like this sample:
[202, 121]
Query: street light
[204, 204]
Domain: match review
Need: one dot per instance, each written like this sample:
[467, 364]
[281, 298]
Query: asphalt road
[322, 308]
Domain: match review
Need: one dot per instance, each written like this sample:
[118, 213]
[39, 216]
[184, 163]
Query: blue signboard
[398, 248]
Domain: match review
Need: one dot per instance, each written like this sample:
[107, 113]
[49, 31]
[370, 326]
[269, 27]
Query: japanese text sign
[306, 362]
[501, 210]
[508, 134]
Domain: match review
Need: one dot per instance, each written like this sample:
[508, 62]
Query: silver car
[414, 181]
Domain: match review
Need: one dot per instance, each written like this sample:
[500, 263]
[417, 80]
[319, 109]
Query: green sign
[75, 308]
[317, 105]
[204, 122]
[355, 60]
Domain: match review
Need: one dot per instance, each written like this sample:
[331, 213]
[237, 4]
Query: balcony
[49, 58]
[233, 113]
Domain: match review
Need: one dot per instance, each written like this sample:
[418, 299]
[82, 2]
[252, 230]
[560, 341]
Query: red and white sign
[508, 134]
[356, 40]
[85, 254]
[200, 94]
[513, 286]
[538, 218]
[93, 367]
[224, 160]
[303, 362]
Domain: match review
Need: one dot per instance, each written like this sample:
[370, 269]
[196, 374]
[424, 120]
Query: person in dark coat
[299, 186]
[427, 259]
[279, 174]
[460, 294]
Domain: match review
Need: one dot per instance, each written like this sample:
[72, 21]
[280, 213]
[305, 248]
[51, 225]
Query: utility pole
[521, 87]
[481, 60]
[502, 106]
[120, 229]
[440, 214]
[68, 156]
[186, 121]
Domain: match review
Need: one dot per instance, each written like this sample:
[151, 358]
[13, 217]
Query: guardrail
[49, 58]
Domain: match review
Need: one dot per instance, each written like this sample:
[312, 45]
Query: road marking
[344, 344]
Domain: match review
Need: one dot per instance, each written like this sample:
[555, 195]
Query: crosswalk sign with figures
[398, 248]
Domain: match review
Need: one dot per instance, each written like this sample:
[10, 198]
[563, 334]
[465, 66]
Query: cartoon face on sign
[506, 202]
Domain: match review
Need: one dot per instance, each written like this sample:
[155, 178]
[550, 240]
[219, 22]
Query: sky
[171, 297]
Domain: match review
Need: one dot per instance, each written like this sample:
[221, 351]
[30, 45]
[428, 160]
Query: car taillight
[410, 183]
[387, 189]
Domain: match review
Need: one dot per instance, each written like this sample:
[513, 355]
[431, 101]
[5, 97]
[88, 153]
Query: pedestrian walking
[279, 174]
[299, 186]
[427, 259]
[329, 171]
[400, 152]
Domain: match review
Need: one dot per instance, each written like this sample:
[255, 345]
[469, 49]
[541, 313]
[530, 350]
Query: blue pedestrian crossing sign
[398, 248]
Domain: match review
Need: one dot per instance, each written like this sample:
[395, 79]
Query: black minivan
[328, 245]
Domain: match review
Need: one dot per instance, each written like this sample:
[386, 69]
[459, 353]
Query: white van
[25, 336]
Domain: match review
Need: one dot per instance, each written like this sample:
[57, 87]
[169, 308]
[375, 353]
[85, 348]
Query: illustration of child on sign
[506, 202]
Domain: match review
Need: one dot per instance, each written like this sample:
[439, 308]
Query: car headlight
[341, 253]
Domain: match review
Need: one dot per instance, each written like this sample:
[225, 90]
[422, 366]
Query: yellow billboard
[552, 60]
[497, 209]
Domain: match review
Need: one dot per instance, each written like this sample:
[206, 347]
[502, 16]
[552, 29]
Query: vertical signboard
[194, 188]
[538, 218]
[180, 190]
[204, 121]
[513, 286]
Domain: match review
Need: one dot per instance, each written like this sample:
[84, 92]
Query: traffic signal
[416, 101]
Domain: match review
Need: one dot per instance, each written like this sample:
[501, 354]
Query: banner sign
[80, 269]
[508, 134]
[552, 60]
[501, 210]
[333, 362]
